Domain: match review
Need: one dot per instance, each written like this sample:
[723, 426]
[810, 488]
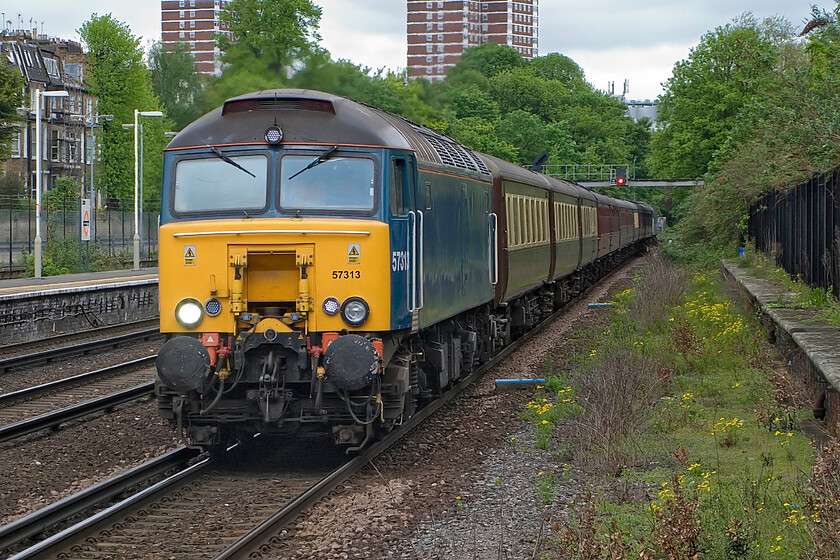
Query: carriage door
[406, 224]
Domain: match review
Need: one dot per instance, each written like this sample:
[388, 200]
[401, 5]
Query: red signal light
[620, 176]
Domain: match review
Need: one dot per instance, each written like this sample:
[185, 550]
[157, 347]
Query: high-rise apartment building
[194, 22]
[439, 31]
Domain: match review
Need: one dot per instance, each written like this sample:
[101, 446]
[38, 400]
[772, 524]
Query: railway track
[49, 405]
[57, 514]
[232, 507]
[66, 346]
[209, 505]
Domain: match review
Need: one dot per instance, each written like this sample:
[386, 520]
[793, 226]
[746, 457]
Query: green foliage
[277, 32]
[64, 196]
[176, 82]
[61, 256]
[753, 110]
[559, 68]
[731, 67]
[533, 106]
[487, 60]
[121, 81]
[11, 88]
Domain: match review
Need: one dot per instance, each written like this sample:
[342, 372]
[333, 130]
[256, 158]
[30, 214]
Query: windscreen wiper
[226, 159]
[317, 161]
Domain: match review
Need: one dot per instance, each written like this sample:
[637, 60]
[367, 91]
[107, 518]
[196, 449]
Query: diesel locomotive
[329, 267]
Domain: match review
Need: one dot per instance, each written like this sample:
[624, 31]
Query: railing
[584, 172]
[111, 228]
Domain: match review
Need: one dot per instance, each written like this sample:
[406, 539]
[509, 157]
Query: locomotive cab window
[399, 188]
[213, 184]
[337, 183]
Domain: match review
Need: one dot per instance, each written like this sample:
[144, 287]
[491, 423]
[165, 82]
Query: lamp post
[138, 114]
[38, 95]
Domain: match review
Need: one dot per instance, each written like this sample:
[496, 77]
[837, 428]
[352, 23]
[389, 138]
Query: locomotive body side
[453, 221]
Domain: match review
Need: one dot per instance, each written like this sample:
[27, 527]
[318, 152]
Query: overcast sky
[612, 40]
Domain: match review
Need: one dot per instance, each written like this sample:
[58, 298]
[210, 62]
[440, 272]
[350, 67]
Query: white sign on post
[85, 219]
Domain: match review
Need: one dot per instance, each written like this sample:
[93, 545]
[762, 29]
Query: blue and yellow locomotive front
[286, 250]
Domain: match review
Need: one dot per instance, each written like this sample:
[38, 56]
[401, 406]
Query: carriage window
[206, 184]
[335, 184]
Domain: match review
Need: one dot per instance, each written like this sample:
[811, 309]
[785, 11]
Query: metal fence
[585, 172]
[800, 228]
[112, 228]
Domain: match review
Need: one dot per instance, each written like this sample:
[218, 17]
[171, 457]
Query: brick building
[439, 31]
[195, 22]
[50, 64]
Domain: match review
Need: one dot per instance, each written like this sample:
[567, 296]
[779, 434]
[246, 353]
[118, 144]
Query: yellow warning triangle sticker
[354, 251]
[210, 339]
[190, 254]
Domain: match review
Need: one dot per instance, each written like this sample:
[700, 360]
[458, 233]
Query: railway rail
[49, 405]
[66, 346]
[200, 491]
[16, 533]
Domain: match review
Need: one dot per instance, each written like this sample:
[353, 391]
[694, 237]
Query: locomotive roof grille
[454, 154]
[277, 104]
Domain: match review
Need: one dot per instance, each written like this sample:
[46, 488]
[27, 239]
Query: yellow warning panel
[354, 253]
[189, 255]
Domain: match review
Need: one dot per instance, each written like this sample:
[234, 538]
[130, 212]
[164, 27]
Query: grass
[674, 417]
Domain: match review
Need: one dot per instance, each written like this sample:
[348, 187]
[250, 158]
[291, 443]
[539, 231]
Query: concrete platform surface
[810, 346]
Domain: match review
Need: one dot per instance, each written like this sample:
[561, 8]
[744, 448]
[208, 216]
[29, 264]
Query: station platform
[20, 287]
[810, 346]
[37, 308]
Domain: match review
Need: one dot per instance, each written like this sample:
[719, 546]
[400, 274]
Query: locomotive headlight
[189, 312]
[273, 134]
[355, 311]
[331, 306]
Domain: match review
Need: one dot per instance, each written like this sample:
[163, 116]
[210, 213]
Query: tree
[472, 101]
[278, 32]
[121, 81]
[481, 135]
[732, 67]
[532, 136]
[486, 60]
[11, 88]
[555, 66]
[270, 41]
[176, 82]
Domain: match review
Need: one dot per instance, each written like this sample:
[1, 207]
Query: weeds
[823, 505]
[546, 485]
[684, 409]
[662, 287]
[618, 393]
